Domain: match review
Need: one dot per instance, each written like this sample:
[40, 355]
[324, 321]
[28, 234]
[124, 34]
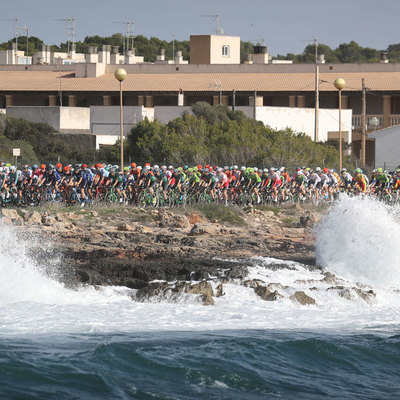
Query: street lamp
[340, 84]
[120, 75]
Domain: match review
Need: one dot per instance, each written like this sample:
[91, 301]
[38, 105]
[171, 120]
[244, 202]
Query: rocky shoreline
[172, 251]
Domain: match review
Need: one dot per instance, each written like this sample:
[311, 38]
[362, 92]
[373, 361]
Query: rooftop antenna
[26, 31]
[261, 41]
[315, 41]
[70, 28]
[215, 17]
[16, 29]
[128, 39]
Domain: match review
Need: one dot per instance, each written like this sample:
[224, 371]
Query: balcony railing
[394, 119]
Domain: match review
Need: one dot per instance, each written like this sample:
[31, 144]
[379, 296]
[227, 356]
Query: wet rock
[302, 298]
[355, 293]
[329, 278]
[152, 290]
[267, 295]
[48, 220]
[253, 283]
[220, 291]
[205, 290]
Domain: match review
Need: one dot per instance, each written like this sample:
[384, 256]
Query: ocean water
[58, 343]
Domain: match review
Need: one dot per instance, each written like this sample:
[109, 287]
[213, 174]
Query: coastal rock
[124, 227]
[205, 290]
[12, 216]
[220, 291]
[253, 283]
[48, 220]
[302, 298]
[203, 229]
[309, 219]
[194, 218]
[355, 293]
[33, 218]
[267, 295]
[174, 221]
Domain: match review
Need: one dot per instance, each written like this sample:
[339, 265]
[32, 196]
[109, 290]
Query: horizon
[297, 24]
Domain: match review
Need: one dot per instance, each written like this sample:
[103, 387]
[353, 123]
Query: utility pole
[316, 127]
[316, 123]
[363, 123]
[233, 99]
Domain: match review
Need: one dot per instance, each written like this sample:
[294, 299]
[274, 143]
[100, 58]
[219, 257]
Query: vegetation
[217, 135]
[220, 213]
[345, 53]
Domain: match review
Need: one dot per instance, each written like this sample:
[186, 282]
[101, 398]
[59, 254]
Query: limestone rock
[302, 298]
[48, 220]
[266, 295]
[203, 229]
[194, 218]
[33, 218]
[354, 293]
[124, 227]
[174, 221]
[220, 291]
[253, 283]
[12, 215]
[205, 290]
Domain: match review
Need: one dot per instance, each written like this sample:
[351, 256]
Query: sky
[287, 26]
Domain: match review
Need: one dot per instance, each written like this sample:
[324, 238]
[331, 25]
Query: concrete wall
[200, 49]
[387, 144]
[105, 140]
[105, 120]
[47, 115]
[233, 43]
[62, 119]
[302, 120]
[75, 119]
[167, 113]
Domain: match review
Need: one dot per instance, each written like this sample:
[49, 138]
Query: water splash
[359, 240]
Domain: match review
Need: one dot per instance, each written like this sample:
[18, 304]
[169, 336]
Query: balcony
[376, 123]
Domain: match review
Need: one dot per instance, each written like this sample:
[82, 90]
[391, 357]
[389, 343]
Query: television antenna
[16, 29]
[261, 41]
[70, 28]
[215, 17]
[315, 41]
[128, 39]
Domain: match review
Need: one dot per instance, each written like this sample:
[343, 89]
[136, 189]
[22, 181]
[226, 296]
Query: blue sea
[235, 364]
[98, 343]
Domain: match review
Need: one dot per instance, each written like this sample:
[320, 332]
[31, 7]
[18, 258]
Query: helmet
[266, 170]
[77, 166]
[358, 171]
[195, 169]
[272, 169]
[255, 169]
[235, 167]
[59, 165]
[226, 168]
[163, 167]
[171, 167]
[133, 165]
[156, 167]
[243, 168]
[126, 169]
[25, 166]
[282, 169]
[84, 166]
[185, 167]
[34, 166]
[325, 170]
[344, 170]
[379, 170]
[66, 168]
[318, 169]
[299, 172]
[13, 168]
[200, 167]
[98, 165]
[147, 165]
[139, 167]
[42, 167]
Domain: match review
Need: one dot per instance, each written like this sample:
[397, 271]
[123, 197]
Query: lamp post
[120, 75]
[340, 84]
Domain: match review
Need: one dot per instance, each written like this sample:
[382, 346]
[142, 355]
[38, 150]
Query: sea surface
[58, 343]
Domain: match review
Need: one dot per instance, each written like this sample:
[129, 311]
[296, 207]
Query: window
[225, 51]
